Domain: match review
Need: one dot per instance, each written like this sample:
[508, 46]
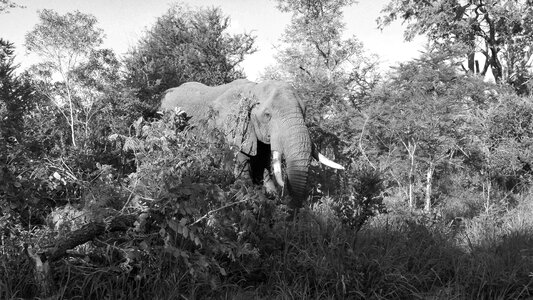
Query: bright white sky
[124, 21]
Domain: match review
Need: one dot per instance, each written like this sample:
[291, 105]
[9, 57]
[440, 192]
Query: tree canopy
[186, 44]
[64, 39]
[5, 5]
[501, 30]
[15, 94]
[326, 67]
[64, 42]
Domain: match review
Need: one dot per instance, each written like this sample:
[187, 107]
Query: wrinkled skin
[275, 122]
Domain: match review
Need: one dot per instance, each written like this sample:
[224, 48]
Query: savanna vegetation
[102, 199]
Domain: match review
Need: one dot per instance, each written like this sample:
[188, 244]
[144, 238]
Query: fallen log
[42, 260]
[87, 233]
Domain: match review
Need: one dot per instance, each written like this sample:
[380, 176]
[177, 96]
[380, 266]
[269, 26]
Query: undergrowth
[402, 255]
[201, 233]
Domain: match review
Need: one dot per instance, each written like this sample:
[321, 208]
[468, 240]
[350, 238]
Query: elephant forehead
[270, 86]
[276, 91]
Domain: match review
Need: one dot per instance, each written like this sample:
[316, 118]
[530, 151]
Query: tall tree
[499, 146]
[16, 99]
[97, 89]
[15, 94]
[186, 44]
[315, 57]
[416, 116]
[418, 127]
[63, 42]
[501, 30]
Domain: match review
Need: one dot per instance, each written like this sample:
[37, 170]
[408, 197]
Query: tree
[63, 42]
[501, 30]
[16, 99]
[186, 45]
[15, 94]
[420, 118]
[418, 123]
[326, 68]
[499, 145]
[5, 5]
[97, 90]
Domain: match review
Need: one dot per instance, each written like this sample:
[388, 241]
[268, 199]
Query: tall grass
[398, 255]
[406, 255]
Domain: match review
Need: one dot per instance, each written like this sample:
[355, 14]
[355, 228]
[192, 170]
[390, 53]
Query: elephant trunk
[295, 145]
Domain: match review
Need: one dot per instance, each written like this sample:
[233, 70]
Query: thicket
[103, 201]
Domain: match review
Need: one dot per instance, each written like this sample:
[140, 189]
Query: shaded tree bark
[41, 260]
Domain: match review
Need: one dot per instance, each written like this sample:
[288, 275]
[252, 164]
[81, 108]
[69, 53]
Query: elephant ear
[239, 128]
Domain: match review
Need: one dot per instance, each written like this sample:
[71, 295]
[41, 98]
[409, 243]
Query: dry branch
[41, 260]
[87, 233]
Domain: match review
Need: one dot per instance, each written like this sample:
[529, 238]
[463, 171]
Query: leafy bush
[363, 197]
[200, 218]
[185, 44]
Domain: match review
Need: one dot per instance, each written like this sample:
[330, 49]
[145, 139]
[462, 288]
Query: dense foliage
[326, 68]
[499, 30]
[185, 45]
[98, 199]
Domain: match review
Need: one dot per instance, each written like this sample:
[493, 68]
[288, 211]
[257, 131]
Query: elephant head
[265, 120]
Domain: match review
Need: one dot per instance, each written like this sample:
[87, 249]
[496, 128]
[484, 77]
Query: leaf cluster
[499, 30]
[61, 39]
[200, 214]
[325, 67]
[186, 45]
[5, 5]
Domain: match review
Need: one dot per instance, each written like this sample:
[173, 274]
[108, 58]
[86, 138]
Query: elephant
[265, 121]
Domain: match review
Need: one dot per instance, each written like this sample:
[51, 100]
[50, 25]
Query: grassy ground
[398, 255]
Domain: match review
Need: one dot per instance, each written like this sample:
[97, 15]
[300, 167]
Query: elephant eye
[267, 116]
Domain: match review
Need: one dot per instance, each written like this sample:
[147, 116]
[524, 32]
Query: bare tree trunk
[471, 57]
[71, 106]
[410, 191]
[71, 117]
[86, 125]
[411, 149]
[471, 62]
[429, 183]
[411, 183]
[487, 186]
[492, 46]
[41, 271]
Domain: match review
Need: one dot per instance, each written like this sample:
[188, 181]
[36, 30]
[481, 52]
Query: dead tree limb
[42, 259]
[87, 233]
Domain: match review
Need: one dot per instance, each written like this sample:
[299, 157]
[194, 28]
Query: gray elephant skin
[270, 127]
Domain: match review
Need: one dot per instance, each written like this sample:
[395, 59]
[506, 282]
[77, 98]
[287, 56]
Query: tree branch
[87, 233]
[361, 144]
[215, 210]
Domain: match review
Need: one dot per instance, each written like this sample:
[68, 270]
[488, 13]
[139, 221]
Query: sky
[124, 22]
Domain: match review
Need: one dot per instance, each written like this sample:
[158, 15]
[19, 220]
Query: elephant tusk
[324, 160]
[276, 165]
